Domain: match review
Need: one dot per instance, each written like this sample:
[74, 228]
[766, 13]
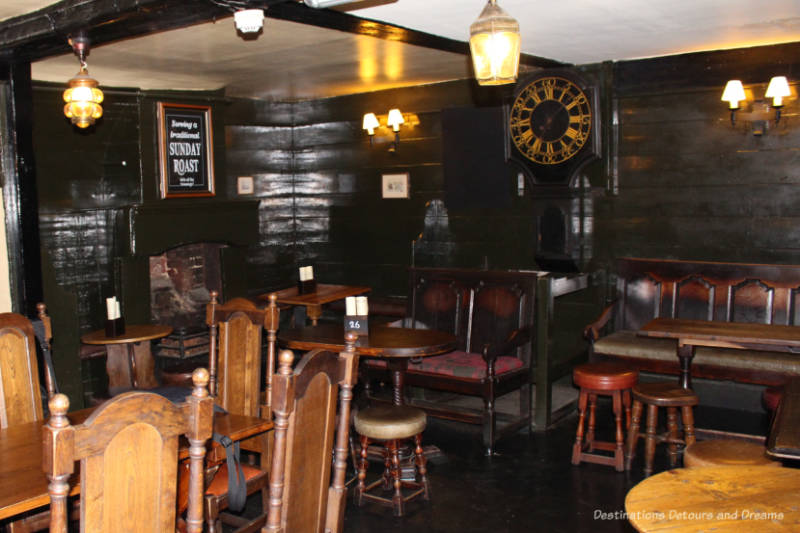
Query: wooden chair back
[128, 452]
[20, 397]
[305, 495]
[235, 354]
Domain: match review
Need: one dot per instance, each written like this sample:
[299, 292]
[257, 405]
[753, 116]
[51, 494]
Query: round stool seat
[664, 394]
[387, 422]
[772, 397]
[726, 452]
[605, 375]
[180, 374]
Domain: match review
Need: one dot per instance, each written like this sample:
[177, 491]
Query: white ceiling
[290, 61]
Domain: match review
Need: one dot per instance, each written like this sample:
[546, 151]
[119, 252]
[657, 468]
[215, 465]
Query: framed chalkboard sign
[185, 150]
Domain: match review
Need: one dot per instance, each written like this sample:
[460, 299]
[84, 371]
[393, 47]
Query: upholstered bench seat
[627, 344]
[457, 364]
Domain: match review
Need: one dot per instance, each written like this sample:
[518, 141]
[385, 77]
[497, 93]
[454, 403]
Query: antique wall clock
[552, 125]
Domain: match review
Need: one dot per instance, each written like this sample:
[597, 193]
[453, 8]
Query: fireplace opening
[181, 281]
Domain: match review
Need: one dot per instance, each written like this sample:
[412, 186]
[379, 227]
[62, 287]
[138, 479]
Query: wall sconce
[370, 123]
[494, 43]
[82, 97]
[392, 120]
[759, 115]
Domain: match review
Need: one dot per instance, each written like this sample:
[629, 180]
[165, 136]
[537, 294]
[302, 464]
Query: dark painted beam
[19, 187]
[336, 20]
[44, 32]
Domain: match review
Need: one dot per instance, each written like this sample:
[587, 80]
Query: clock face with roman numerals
[550, 120]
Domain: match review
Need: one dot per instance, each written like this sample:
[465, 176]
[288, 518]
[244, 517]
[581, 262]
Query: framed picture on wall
[395, 185]
[185, 150]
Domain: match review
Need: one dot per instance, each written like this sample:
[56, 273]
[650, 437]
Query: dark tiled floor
[530, 486]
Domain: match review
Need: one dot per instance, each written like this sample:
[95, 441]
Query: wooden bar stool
[726, 452]
[607, 379]
[391, 424]
[655, 395]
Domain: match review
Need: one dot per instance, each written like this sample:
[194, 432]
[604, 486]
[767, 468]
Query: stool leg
[362, 471]
[626, 402]
[592, 419]
[687, 416]
[388, 479]
[421, 461]
[397, 498]
[650, 439]
[672, 434]
[619, 455]
[633, 433]
[576, 448]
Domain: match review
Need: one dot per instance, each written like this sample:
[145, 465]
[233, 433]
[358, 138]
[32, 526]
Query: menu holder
[115, 327]
[306, 286]
[356, 315]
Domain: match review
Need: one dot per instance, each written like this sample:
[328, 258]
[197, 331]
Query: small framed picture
[395, 185]
[244, 185]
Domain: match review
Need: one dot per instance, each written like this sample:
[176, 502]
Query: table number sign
[307, 283]
[356, 315]
[185, 150]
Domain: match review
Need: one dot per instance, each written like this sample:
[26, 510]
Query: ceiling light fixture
[249, 20]
[319, 4]
[82, 98]
[494, 42]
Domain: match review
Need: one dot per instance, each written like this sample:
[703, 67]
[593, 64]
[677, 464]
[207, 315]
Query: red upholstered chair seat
[458, 364]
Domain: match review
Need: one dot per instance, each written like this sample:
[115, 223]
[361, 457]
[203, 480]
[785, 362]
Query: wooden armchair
[304, 402]
[128, 451]
[235, 361]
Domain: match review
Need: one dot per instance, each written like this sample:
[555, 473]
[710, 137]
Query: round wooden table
[396, 345]
[725, 498]
[130, 362]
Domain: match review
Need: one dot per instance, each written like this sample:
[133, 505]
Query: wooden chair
[128, 449]
[20, 397]
[304, 402]
[235, 362]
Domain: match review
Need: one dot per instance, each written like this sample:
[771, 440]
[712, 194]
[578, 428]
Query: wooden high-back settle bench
[734, 292]
[503, 322]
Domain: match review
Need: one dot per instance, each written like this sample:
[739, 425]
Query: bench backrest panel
[478, 306]
[734, 292]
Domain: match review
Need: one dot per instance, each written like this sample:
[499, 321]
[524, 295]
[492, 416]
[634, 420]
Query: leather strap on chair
[237, 486]
[41, 340]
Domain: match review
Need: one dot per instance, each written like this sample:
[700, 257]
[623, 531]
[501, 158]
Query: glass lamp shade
[394, 119]
[83, 100]
[370, 123]
[495, 43]
[778, 88]
[733, 93]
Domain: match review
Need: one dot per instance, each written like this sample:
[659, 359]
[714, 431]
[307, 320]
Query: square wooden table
[313, 301]
[739, 335]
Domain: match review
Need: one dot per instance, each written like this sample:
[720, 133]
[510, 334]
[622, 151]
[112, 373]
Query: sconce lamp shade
[249, 20]
[370, 123]
[494, 42]
[778, 88]
[733, 93]
[394, 119]
[83, 100]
